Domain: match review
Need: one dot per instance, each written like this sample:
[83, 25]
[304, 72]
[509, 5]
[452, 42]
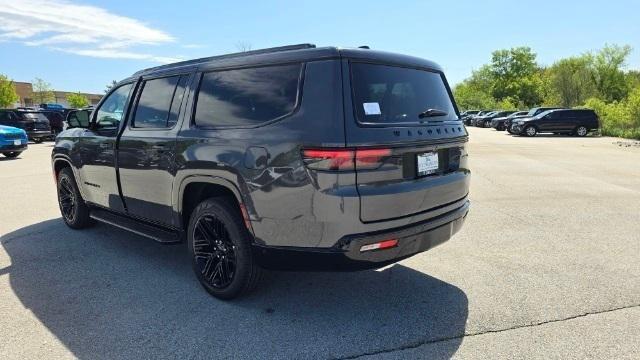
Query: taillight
[344, 159]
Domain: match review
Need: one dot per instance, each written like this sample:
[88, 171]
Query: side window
[112, 109]
[155, 108]
[4, 117]
[246, 97]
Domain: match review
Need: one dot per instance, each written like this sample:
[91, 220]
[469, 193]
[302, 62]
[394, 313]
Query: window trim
[296, 107]
[94, 114]
[350, 62]
[140, 89]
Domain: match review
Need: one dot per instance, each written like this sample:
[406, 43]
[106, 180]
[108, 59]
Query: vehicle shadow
[105, 293]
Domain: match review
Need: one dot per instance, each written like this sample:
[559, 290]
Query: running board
[156, 233]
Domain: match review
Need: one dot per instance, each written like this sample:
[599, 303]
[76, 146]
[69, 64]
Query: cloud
[78, 29]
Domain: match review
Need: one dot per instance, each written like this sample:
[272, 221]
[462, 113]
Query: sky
[82, 45]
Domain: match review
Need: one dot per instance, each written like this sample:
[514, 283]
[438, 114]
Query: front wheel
[75, 212]
[487, 124]
[12, 154]
[581, 131]
[220, 248]
[530, 131]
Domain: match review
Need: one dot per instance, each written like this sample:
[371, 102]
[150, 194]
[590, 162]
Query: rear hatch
[404, 121]
[36, 121]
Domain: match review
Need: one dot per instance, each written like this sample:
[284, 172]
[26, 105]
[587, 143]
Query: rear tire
[73, 209]
[487, 124]
[220, 248]
[530, 131]
[581, 131]
[12, 154]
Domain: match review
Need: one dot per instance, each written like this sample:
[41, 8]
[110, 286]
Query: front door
[96, 150]
[146, 150]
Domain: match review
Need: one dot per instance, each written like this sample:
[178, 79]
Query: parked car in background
[498, 123]
[13, 141]
[532, 112]
[35, 123]
[468, 113]
[479, 119]
[578, 122]
[251, 159]
[468, 119]
[486, 121]
[56, 120]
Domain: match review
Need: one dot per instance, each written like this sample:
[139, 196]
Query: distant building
[25, 96]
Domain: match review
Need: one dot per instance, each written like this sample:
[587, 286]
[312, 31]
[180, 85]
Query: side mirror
[78, 119]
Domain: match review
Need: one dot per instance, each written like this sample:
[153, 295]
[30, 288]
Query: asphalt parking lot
[547, 266]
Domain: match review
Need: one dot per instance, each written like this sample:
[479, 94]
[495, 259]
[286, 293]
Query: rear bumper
[36, 134]
[11, 148]
[346, 255]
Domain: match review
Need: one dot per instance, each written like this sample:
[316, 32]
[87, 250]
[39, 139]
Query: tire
[38, 140]
[220, 249]
[487, 124]
[530, 131]
[73, 209]
[581, 131]
[12, 154]
[500, 128]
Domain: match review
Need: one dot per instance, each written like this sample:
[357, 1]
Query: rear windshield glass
[35, 116]
[394, 95]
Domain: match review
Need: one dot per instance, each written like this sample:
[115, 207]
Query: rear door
[146, 148]
[417, 163]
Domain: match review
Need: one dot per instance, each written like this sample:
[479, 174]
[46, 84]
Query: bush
[619, 118]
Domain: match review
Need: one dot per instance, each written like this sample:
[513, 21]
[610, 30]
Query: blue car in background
[13, 141]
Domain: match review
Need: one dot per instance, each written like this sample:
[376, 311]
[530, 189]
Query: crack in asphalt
[417, 344]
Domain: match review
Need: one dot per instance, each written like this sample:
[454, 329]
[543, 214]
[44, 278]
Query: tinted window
[388, 94]
[176, 104]
[247, 96]
[154, 104]
[112, 109]
[4, 116]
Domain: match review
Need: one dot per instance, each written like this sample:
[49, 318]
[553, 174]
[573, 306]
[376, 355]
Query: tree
[607, 72]
[516, 75]
[110, 86]
[571, 81]
[77, 100]
[8, 95]
[243, 46]
[470, 97]
[42, 92]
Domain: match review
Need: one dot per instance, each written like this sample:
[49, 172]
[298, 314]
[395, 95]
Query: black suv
[508, 123]
[498, 123]
[286, 158]
[577, 122]
[486, 120]
[35, 123]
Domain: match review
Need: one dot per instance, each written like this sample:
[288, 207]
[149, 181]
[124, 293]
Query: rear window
[247, 97]
[35, 116]
[394, 95]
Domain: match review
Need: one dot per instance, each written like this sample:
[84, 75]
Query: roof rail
[232, 55]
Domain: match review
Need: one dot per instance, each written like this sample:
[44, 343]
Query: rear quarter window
[247, 97]
[390, 95]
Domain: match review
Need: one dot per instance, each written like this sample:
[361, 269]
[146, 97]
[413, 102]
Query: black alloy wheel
[221, 251]
[73, 209]
[214, 252]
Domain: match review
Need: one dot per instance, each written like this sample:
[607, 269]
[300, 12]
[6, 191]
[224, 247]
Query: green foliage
[42, 91]
[595, 80]
[515, 74]
[8, 95]
[77, 100]
[571, 83]
[607, 72]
